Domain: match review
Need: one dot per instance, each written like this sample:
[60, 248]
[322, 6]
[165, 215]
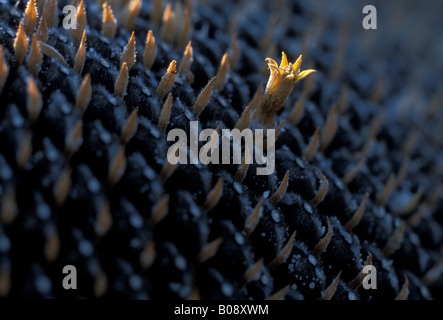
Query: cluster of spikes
[174, 28]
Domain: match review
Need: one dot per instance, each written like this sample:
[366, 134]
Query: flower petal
[297, 64]
[304, 74]
[284, 60]
[271, 62]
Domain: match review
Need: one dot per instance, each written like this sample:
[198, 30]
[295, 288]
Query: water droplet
[300, 162]
[238, 187]
[339, 184]
[112, 100]
[180, 263]
[5, 172]
[154, 132]
[51, 152]
[146, 91]
[43, 211]
[93, 185]
[266, 194]
[347, 236]
[149, 173]
[62, 38]
[135, 282]
[104, 39]
[352, 296]
[16, 118]
[311, 285]
[10, 32]
[43, 284]
[194, 210]
[264, 280]
[322, 230]
[308, 208]
[85, 248]
[64, 70]
[4, 243]
[136, 221]
[104, 63]
[189, 115]
[227, 289]
[312, 260]
[275, 216]
[239, 239]
[105, 136]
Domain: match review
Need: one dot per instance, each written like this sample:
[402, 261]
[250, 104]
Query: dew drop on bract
[239, 239]
[227, 289]
[308, 207]
[275, 216]
[93, 185]
[135, 282]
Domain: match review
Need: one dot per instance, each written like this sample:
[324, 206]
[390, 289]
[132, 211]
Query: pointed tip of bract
[30, 18]
[167, 80]
[214, 195]
[222, 73]
[129, 54]
[209, 250]
[122, 81]
[130, 127]
[4, 69]
[42, 31]
[84, 94]
[50, 12]
[203, 97]
[167, 32]
[109, 22]
[313, 146]
[35, 57]
[20, 45]
[34, 100]
[166, 111]
[150, 51]
[185, 64]
[131, 13]
[281, 191]
[81, 23]
[81, 54]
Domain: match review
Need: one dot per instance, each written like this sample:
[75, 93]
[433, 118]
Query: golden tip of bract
[4, 70]
[167, 80]
[42, 31]
[30, 18]
[109, 22]
[81, 54]
[150, 51]
[129, 54]
[20, 45]
[284, 60]
[35, 57]
[122, 81]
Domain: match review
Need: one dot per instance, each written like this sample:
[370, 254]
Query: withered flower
[280, 84]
